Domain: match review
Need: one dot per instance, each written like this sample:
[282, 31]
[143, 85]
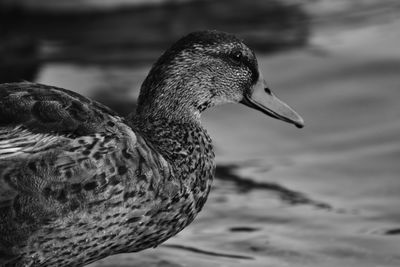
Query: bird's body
[87, 190]
[79, 183]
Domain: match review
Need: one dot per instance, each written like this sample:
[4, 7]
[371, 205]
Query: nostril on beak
[267, 90]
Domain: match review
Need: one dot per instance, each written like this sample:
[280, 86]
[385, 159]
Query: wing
[55, 146]
[47, 109]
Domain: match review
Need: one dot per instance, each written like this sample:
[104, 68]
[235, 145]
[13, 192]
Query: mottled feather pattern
[108, 186]
[47, 109]
[18, 141]
[79, 183]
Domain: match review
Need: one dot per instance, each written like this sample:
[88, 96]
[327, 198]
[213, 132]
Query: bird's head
[205, 69]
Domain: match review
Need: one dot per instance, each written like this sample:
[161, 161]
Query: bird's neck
[167, 94]
[188, 150]
[184, 143]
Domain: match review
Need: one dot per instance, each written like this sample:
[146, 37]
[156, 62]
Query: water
[323, 196]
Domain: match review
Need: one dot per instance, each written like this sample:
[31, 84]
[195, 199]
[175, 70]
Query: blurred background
[323, 196]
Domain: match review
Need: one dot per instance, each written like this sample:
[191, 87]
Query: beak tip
[299, 123]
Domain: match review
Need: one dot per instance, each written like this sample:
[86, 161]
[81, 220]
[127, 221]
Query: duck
[79, 183]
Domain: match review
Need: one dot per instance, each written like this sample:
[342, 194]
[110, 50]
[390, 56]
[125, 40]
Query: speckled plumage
[79, 183]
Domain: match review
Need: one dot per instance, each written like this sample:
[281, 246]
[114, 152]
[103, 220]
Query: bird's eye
[236, 57]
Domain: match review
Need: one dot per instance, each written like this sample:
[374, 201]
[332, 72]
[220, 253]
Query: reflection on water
[137, 36]
[246, 184]
[323, 196]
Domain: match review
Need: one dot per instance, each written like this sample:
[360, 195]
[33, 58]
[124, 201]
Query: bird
[79, 183]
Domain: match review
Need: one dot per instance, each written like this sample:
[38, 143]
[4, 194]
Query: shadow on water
[246, 184]
[394, 231]
[209, 253]
[136, 36]
[243, 229]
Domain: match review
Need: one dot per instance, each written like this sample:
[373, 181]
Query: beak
[262, 99]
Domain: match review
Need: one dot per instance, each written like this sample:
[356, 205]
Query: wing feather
[51, 135]
[18, 141]
[54, 146]
[47, 109]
